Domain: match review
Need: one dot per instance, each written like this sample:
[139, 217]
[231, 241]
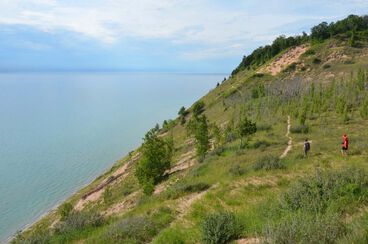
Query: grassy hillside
[251, 194]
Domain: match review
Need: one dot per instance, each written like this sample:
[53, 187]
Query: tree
[246, 128]
[198, 108]
[201, 136]
[155, 160]
[198, 126]
[320, 32]
[218, 136]
[352, 40]
[157, 127]
[182, 113]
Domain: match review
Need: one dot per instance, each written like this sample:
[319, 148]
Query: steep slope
[316, 91]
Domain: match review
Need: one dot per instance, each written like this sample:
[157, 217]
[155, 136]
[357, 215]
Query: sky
[207, 36]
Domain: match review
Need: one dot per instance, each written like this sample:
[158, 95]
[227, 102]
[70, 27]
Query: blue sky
[146, 35]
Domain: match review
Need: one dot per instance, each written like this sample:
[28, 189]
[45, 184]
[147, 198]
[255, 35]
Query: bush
[78, 221]
[39, 237]
[302, 228]
[185, 188]
[264, 127]
[324, 190]
[170, 236]
[217, 151]
[107, 195]
[220, 228]
[65, 209]
[316, 61]
[268, 163]
[309, 52]
[132, 230]
[311, 210]
[236, 170]
[300, 129]
[260, 144]
[162, 217]
[326, 66]
[198, 108]
[290, 68]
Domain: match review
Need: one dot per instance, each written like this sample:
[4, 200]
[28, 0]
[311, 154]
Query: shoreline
[28, 226]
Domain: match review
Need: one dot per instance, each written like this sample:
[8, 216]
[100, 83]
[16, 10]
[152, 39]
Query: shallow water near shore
[58, 131]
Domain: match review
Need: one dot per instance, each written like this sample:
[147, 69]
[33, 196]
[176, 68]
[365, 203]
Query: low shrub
[78, 221]
[183, 188]
[220, 228]
[325, 190]
[162, 217]
[311, 210]
[218, 151]
[305, 228]
[260, 144]
[131, 230]
[172, 236]
[236, 170]
[65, 209]
[326, 66]
[316, 61]
[290, 68]
[310, 52]
[300, 129]
[264, 127]
[39, 237]
[268, 163]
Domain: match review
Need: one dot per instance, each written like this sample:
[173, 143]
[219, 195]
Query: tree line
[354, 26]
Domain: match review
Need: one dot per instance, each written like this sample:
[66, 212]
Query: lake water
[58, 131]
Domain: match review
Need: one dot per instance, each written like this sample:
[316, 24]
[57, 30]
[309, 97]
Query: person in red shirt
[345, 145]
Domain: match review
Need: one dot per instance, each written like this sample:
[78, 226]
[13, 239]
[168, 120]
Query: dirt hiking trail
[290, 142]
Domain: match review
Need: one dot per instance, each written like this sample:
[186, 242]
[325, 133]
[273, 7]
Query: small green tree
[217, 136]
[201, 136]
[157, 127]
[182, 113]
[246, 128]
[107, 195]
[198, 108]
[155, 160]
[352, 40]
[303, 116]
[198, 126]
[65, 210]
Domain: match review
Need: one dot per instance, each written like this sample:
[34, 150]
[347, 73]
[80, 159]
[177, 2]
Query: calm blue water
[58, 131]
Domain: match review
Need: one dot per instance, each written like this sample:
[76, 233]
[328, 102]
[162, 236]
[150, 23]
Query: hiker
[306, 147]
[345, 145]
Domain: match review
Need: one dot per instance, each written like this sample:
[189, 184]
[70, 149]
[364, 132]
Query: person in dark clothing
[306, 147]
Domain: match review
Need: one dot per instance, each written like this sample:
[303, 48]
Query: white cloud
[200, 22]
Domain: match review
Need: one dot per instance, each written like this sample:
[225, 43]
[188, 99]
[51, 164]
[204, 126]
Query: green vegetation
[350, 26]
[198, 126]
[227, 180]
[311, 210]
[246, 128]
[268, 163]
[156, 158]
[220, 228]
